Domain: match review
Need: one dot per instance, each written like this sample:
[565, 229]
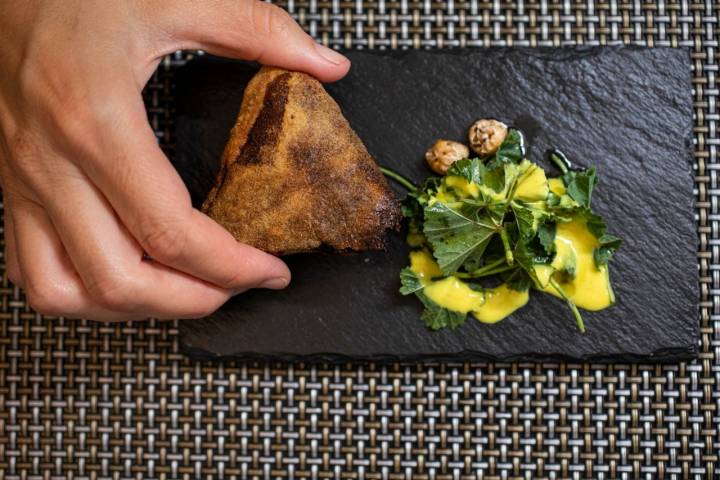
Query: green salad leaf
[409, 281]
[529, 217]
[609, 244]
[512, 150]
[546, 236]
[518, 279]
[434, 316]
[580, 185]
[456, 232]
[471, 170]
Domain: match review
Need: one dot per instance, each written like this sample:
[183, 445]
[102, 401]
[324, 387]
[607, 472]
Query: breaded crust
[295, 177]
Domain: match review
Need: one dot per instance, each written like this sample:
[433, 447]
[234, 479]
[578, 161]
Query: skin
[87, 189]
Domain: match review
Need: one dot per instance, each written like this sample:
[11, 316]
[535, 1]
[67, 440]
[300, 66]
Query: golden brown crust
[294, 175]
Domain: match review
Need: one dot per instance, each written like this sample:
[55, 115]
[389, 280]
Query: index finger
[146, 192]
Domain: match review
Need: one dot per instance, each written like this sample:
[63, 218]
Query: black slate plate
[626, 110]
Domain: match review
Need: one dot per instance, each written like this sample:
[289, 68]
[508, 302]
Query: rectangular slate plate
[626, 110]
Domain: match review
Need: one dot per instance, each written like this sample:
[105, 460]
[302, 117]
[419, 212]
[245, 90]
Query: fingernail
[275, 283]
[330, 55]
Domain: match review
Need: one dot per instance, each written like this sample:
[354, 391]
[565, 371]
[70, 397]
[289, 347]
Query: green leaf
[580, 185]
[500, 181]
[472, 170]
[409, 281]
[529, 216]
[528, 255]
[436, 317]
[609, 244]
[494, 178]
[562, 205]
[492, 252]
[512, 150]
[457, 233]
[594, 222]
[527, 222]
[546, 236]
[517, 279]
[430, 184]
[475, 260]
[410, 207]
[413, 211]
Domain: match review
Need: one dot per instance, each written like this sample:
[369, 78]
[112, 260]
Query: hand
[87, 190]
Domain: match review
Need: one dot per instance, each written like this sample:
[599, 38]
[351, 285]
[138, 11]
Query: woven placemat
[80, 399]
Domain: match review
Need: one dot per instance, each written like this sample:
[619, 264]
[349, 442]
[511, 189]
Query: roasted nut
[486, 135]
[444, 153]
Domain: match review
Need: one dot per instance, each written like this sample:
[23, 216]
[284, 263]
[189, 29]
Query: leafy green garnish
[434, 316]
[530, 255]
[409, 281]
[529, 217]
[518, 279]
[546, 236]
[580, 185]
[608, 243]
[501, 224]
[470, 170]
[512, 150]
[457, 232]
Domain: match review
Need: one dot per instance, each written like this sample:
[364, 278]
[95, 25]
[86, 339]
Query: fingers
[252, 30]
[52, 286]
[151, 200]
[12, 268]
[110, 263]
[129, 293]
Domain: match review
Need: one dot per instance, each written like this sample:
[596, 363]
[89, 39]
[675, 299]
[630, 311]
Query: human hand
[86, 187]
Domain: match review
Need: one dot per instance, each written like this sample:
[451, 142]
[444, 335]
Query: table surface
[82, 399]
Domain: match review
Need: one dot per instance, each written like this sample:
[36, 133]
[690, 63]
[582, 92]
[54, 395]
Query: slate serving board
[626, 110]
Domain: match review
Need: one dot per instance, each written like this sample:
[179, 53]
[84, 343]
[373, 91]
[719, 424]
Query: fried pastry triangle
[294, 175]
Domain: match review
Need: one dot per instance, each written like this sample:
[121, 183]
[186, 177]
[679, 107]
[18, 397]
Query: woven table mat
[80, 399]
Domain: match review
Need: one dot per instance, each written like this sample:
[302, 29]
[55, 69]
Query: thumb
[249, 30]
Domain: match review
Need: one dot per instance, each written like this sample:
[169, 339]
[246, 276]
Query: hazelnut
[444, 153]
[486, 136]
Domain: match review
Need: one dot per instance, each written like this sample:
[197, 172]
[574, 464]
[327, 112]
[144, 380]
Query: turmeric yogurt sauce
[488, 305]
[590, 287]
[573, 267]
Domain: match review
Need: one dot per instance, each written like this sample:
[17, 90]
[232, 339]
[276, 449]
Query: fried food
[295, 177]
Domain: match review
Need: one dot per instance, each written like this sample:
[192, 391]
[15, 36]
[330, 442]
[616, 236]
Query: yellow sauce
[543, 273]
[573, 267]
[454, 294]
[424, 266]
[499, 303]
[451, 293]
[492, 194]
[489, 306]
[533, 185]
[468, 189]
[576, 273]
[557, 186]
[442, 196]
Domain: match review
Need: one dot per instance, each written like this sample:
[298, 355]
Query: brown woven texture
[80, 399]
